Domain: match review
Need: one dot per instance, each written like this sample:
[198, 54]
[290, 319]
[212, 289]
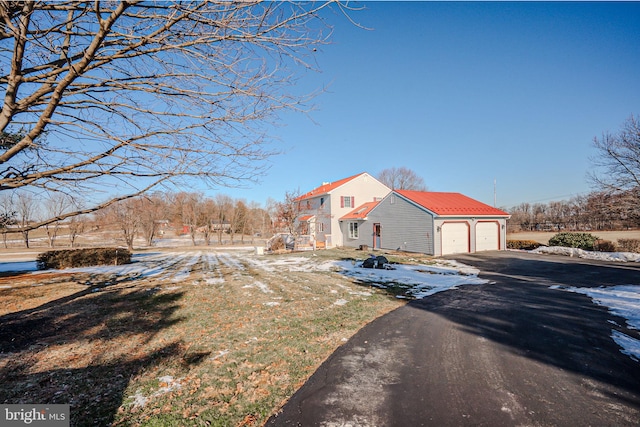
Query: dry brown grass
[213, 339]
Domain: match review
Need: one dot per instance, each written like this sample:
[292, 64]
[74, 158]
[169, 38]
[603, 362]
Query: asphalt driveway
[513, 352]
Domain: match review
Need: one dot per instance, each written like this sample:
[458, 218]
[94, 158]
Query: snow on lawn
[292, 264]
[419, 280]
[580, 253]
[415, 281]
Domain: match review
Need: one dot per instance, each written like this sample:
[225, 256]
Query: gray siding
[409, 227]
[405, 226]
[365, 234]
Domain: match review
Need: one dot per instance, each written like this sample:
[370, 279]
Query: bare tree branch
[402, 178]
[129, 95]
[617, 165]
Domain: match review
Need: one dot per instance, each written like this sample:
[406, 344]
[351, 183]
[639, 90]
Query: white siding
[363, 188]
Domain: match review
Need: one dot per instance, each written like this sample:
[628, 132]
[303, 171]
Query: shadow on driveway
[511, 352]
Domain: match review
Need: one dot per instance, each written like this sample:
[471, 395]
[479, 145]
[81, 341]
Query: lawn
[185, 337]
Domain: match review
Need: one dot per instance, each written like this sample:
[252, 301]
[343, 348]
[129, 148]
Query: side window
[347, 202]
[353, 230]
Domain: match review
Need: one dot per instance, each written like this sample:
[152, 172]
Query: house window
[347, 202]
[320, 226]
[353, 230]
[321, 201]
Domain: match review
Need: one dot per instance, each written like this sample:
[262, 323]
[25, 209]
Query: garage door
[487, 236]
[455, 238]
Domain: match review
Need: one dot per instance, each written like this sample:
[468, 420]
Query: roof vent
[326, 183]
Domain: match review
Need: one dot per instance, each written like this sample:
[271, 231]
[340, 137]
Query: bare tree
[254, 223]
[120, 97]
[210, 213]
[287, 211]
[7, 215]
[270, 218]
[151, 210]
[76, 226]
[401, 179]
[618, 160]
[617, 166]
[237, 216]
[177, 208]
[225, 206]
[193, 214]
[26, 211]
[242, 220]
[126, 217]
[54, 207]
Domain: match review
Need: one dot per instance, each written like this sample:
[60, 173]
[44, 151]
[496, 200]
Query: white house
[321, 208]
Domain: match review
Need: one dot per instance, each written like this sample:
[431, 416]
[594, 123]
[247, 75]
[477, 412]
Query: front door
[376, 236]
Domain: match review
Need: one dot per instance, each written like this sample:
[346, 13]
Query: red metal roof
[450, 203]
[361, 211]
[326, 188]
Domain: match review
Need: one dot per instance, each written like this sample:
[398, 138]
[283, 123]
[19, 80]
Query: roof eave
[472, 215]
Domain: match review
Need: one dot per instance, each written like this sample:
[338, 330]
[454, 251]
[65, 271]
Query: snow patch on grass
[417, 281]
[581, 253]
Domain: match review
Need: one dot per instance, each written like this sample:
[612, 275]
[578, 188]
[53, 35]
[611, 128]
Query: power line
[554, 198]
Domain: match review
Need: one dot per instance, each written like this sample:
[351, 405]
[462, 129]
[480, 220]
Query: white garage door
[455, 238]
[487, 236]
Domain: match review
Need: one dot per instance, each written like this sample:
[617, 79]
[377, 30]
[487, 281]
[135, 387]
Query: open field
[544, 236]
[180, 337]
[39, 242]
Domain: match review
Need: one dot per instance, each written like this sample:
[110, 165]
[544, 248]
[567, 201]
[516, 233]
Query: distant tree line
[203, 218]
[615, 205]
[594, 211]
[148, 217]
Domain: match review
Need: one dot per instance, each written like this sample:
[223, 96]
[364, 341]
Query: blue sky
[464, 94]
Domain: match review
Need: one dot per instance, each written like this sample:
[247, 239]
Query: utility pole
[494, 193]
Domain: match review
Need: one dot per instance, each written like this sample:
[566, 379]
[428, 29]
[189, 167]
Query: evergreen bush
[523, 244]
[584, 241]
[82, 258]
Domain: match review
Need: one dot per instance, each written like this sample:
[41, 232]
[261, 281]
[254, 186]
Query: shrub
[82, 258]
[629, 245]
[277, 244]
[584, 241]
[523, 244]
[605, 246]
